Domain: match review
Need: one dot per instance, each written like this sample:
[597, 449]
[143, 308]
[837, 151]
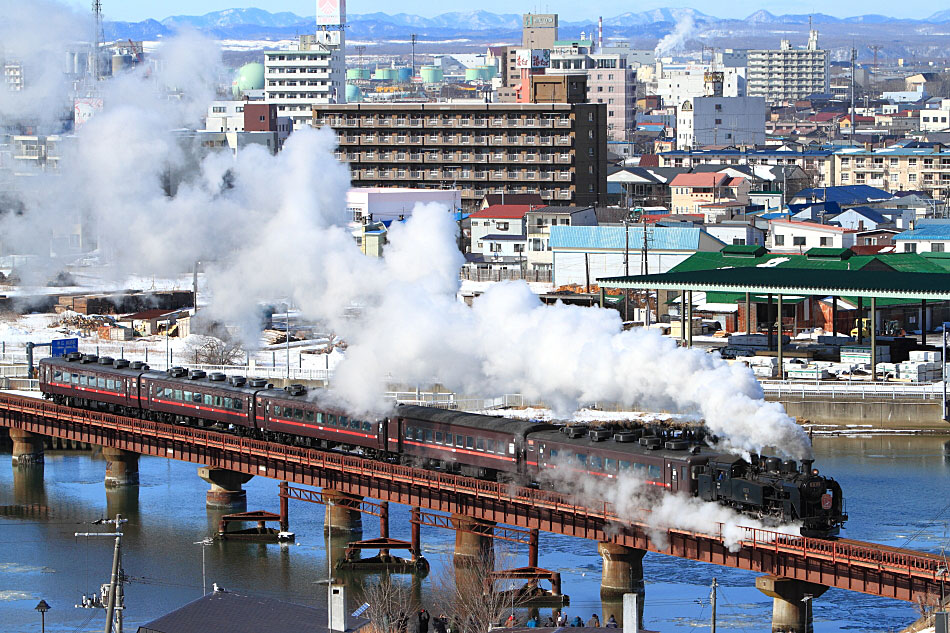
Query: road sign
[63, 346]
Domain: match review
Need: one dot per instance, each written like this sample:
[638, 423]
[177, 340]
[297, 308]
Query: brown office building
[558, 150]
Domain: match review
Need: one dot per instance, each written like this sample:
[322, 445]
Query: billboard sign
[84, 108]
[539, 20]
[63, 346]
[331, 12]
[533, 58]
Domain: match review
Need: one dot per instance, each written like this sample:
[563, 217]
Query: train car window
[101, 383]
[368, 428]
[178, 394]
[227, 403]
[596, 463]
[57, 374]
[469, 442]
[298, 414]
[186, 396]
[308, 416]
[209, 399]
[654, 473]
[428, 436]
[196, 397]
[553, 453]
[82, 379]
[480, 444]
[459, 441]
[420, 435]
[218, 401]
[624, 465]
[110, 384]
[410, 432]
[319, 417]
[238, 404]
[610, 463]
[331, 419]
[581, 458]
[438, 437]
[673, 475]
[276, 409]
[343, 423]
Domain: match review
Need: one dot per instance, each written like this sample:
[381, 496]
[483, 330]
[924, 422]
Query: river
[897, 490]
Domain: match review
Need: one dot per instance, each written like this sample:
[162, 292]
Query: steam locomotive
[482, 446]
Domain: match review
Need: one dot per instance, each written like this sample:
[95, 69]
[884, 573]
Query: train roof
[203, 382]
[630, 448]
[61, 361]
[473, 420]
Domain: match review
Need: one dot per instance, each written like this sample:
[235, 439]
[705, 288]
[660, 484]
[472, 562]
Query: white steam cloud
[271, 227]
[675, 40]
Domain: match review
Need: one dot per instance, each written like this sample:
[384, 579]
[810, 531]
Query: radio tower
[96, 38]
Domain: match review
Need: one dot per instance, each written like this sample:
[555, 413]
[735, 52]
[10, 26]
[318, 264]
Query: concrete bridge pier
[342, 513]
[791, 612]
[622, 574]
[27, 447]
[122, 467]
[471, 546]
[226, 492]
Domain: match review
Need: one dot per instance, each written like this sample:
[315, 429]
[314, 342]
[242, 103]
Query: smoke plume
[273, 227]
[675, 40]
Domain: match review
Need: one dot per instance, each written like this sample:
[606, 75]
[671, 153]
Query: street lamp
[42, 607]
[204, 543]
[942, 571]
[807, 600]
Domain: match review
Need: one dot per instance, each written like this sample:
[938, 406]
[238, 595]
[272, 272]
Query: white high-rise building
[788, 74]
[702, 121]
[676, 83]
[314, 73]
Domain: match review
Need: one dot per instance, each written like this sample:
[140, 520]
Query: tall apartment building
[296, 80]
[788, 74]
[896, 169]
[538, 30]
[557, 150]
[610, 80]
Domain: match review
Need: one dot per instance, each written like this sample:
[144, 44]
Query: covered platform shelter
[779, 283]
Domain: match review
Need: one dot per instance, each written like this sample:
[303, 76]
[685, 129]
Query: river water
[897, 490]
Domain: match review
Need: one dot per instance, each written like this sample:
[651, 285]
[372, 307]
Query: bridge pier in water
[226, 492]
[791, 613]
[27, 447]
[473, 540]
[122, 467]
[622, 574]
[342, 513]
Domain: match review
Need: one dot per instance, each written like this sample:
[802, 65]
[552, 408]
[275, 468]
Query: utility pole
[645, 268]
[854, 54]
[712, 602]
[626, 266]
[115, 604]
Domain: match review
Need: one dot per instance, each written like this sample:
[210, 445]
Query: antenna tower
[359, 54]
[413, 54]
[97, 39]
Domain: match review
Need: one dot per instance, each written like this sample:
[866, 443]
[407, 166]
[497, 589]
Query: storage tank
[353, 93]
[248, 77]
[120, 63]
[431, 74]
[357, 73]
[479, 73]
[403, 74]
[384, 74]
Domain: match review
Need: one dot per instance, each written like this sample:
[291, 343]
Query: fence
[506, 274]
[862, 390]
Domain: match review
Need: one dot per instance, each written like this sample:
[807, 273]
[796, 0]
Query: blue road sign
[64, 346]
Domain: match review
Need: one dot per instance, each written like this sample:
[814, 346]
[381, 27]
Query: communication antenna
[359, 54]
[112, 597]
[97, 39]
[413, 53]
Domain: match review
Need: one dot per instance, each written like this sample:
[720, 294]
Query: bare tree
[390, 605]
[214, 345]
[475, 601]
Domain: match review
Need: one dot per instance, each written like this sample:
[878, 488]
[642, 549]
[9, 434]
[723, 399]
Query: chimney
[337, 608]
[600, 34]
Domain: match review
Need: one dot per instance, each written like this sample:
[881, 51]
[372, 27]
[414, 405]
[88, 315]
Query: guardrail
[862, 390]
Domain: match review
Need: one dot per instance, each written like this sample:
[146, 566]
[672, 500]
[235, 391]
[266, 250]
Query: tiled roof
[504, 211]
[664, 238]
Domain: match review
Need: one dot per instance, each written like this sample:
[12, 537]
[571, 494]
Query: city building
[704, 121]
[788, 235]
[538, 30]
[314, 73]
[13, 75]
[817, 163]
[499, 240]
[674, 83]
[689, 193]
[539, 221]
[788, 74]
[896, 169]
[238, 124]
[556, 150]
[384, 204]
[936, 119]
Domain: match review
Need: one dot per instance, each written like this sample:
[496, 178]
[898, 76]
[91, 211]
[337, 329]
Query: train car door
[533, 456]
[382, 433]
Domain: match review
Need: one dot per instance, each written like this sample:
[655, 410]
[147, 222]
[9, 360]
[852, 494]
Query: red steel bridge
[845, 564]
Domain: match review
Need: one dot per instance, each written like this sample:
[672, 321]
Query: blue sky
[136, 10]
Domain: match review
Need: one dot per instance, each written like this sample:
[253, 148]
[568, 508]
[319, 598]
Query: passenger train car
[488, 447]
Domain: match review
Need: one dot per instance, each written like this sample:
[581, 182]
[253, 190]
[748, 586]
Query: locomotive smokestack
[806, 466]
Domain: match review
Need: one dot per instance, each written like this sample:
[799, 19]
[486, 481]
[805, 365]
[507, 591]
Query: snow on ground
[469, 287]
[588, 415]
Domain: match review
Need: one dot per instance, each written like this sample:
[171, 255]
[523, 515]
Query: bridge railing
[839, 551]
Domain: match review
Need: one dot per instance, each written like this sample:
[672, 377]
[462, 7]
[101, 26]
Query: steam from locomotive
[273, 227]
